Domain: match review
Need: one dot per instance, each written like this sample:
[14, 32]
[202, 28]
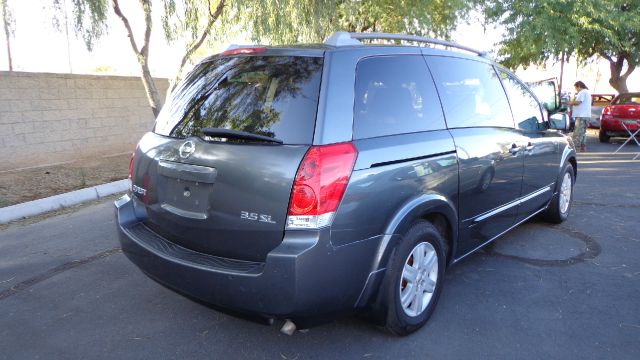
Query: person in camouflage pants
[579, 135]
[582, 113]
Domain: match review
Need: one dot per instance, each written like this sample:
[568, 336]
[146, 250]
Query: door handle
[529, 146]
[515, 149]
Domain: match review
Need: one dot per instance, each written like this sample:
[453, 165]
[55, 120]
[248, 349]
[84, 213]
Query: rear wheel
[414, 279]
[603, 137]
[560, 205]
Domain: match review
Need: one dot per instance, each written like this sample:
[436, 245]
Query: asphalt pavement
[570, 291]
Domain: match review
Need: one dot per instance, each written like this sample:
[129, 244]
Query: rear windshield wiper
[235, 134]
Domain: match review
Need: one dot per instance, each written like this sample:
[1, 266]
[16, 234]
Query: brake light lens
[131, 165]
[244, 51]
[133, 155]
[606, 113]
[319, 185]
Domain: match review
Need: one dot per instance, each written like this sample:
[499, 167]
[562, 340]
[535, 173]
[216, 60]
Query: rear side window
[395, 95]
[471, 93]
[274, 96]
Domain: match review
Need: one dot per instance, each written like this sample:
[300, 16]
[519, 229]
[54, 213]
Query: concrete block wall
[52, 118]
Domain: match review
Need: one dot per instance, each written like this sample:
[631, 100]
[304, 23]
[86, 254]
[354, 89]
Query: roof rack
[343, 38]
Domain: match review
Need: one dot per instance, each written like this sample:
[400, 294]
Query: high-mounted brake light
[244, 51]
[319, 185]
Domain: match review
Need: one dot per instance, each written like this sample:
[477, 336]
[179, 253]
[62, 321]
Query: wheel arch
[435, 208]
[568, 156]
[574, 163]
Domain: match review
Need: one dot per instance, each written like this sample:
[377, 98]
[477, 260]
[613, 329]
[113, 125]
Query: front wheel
[558, 210]
[413, 282]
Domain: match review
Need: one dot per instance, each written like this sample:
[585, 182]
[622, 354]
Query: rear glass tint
[274, 96]
[471, 93]
[395, 95]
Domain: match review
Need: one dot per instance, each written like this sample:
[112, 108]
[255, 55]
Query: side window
[395, 95]
[525, 108]
[471, 93]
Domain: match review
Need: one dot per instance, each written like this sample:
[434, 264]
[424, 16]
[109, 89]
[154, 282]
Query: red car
[625, 108]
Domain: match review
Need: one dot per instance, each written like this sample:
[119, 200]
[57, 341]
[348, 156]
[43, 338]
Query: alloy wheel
[565, 193]
[419, 278]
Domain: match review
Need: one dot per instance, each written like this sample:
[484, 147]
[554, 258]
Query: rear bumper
[304, 277]
[613, 127]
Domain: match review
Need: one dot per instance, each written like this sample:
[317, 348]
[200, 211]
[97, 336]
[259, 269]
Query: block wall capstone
[52, 118]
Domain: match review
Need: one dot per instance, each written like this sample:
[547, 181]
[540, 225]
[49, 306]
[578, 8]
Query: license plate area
[188, 195]
[186, 188]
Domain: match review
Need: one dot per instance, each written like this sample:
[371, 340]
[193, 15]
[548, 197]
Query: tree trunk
[142, 54]
[618, 80]
[7, 33]
[619, 84]
[151, 90]
[191, 49]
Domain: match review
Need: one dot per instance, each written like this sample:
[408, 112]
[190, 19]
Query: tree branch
[607, 57]
[116, 8]
[213, 16]
[630, 68]
[146, 6]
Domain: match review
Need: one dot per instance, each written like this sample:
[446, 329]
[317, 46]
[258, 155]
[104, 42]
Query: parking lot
[570, 291]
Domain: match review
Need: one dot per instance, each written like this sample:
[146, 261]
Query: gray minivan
[308, 181]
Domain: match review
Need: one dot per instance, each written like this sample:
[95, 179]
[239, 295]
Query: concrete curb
[41, 206]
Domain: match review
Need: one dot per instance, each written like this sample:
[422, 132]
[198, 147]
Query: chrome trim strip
[512, 204]
[497, 236]
[189, 172]
[184, 213]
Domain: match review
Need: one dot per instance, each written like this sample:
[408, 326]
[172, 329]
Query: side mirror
[558, 121]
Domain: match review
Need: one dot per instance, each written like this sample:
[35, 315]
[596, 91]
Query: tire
[603, 137]
[560, 205]
[423, 239]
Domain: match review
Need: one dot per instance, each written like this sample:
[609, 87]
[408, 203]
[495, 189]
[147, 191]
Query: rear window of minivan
[273, 96]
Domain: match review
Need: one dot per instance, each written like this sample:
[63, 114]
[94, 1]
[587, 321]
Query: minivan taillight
[133, 154]
[319, 185]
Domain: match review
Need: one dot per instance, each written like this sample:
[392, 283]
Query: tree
[542, 30]
[197, 22]
[295, 21]
[270, 21]
[90, 22]
[8, 25]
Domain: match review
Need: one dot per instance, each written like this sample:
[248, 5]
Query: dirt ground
[18, 186]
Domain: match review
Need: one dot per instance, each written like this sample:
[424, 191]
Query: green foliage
[419, 17]
[185, 18]
[89, 18]
[9, 22]
[308, 21]
[542, 30]
[282, 21]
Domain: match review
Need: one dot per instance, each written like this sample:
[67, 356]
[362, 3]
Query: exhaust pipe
[288, 328]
